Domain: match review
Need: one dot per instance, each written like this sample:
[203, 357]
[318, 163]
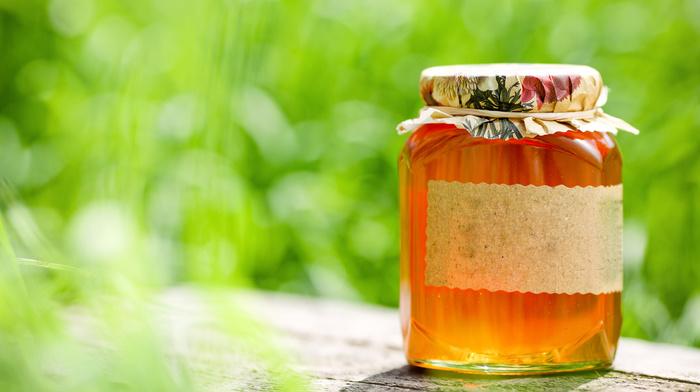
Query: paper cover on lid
[536, 88]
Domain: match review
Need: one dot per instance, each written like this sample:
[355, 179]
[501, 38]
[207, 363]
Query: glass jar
[510, 235]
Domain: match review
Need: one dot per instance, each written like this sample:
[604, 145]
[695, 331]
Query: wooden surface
[326, 345]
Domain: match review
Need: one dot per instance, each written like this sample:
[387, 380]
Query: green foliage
[252, 143]
[105, 337]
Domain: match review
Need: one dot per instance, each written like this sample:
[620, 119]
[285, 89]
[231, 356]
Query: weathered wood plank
[343, 346]
[659, 360]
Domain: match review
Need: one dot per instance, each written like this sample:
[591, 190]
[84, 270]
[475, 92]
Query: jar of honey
[511, 221]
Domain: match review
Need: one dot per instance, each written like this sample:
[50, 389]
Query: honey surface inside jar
[452, 325]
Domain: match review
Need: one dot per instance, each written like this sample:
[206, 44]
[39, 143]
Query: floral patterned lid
[535, 88]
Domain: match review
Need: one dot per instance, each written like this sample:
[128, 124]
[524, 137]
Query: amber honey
[501, 332]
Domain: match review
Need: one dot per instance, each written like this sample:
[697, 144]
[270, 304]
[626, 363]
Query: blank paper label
[537, 239]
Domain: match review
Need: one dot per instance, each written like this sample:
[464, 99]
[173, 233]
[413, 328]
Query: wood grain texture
[327, 345]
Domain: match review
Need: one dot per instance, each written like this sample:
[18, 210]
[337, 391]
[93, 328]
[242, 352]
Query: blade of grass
[55, 266]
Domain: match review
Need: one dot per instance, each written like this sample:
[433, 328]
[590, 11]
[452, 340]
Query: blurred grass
[252, 143]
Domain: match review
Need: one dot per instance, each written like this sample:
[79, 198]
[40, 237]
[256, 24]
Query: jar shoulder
[435, 140]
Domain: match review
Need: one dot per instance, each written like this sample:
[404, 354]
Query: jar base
[509, 369]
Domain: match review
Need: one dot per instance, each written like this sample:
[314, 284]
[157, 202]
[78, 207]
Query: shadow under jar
[510, 235]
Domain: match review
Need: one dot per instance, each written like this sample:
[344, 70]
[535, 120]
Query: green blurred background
[253, 143]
